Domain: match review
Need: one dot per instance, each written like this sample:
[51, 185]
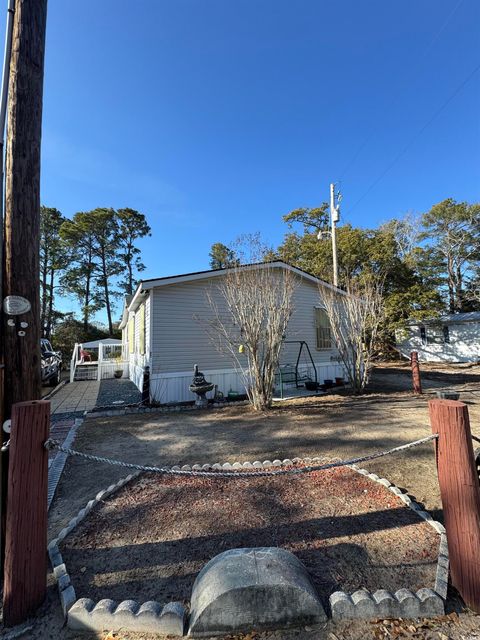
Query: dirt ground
[151, 539]
[336, 425]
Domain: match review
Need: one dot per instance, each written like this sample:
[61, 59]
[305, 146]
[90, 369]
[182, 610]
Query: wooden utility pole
[460, 492]
[25, 583]
[416, 379]
[3, 119]
[20, 320]
[21, 329]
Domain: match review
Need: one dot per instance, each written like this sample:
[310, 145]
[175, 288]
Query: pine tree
[132, 225]
[222, 256]
[53, 260]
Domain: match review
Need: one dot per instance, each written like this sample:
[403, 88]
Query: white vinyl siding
[463, 344]
[302, 325]
[180, 339]
[179, 335]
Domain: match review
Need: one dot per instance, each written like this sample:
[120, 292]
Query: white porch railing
[112, 370]
[73, 362]
[110, 362]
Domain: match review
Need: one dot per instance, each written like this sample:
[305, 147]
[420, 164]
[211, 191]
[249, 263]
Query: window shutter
[446, 334]
[131, 335]
[141, 332]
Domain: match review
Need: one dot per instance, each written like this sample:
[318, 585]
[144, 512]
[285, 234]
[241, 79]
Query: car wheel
[55, 379]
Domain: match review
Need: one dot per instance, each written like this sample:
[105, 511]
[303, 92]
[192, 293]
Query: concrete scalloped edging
[84, 614]
[403, 603]
[170, 619]
[150, 617]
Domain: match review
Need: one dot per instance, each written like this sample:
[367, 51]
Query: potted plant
[118, 373]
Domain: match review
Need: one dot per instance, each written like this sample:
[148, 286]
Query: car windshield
[46, 346]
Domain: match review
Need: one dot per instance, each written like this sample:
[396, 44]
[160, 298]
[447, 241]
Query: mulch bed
[150, 540]
[112, 390]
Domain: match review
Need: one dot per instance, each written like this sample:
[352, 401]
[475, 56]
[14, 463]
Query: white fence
[98, 363]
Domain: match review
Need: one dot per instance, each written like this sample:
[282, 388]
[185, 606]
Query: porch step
[86, 372]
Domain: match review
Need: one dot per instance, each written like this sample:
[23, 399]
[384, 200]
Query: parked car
[51, 364]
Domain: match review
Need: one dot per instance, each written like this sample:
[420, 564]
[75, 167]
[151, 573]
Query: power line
[417, 135]
[374, 129]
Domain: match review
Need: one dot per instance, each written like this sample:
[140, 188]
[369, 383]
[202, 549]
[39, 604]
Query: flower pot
[328, 384]
[339, 382]
[118, 373]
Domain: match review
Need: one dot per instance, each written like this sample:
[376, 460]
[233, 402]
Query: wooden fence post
[25, 576]
[460, 491]
[417, 382]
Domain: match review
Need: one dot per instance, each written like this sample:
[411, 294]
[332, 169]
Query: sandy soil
[150, 540]
[336, 425]
[333, 426]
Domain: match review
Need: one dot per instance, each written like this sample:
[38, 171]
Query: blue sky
[217, 117]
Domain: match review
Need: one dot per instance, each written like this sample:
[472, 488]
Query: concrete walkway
[75, 396]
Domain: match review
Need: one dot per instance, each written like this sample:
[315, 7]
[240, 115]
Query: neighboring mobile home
[450, 338]
[162, 329]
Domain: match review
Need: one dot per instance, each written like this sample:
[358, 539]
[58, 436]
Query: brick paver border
[55, 468]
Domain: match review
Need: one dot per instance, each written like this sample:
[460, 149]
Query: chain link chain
[53, 444]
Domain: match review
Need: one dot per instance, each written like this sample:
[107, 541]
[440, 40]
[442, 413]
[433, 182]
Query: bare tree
[355, 318]
[406, 232]
[252, 306]
[473, 291]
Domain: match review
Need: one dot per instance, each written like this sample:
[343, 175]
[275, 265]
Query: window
[435, 335]
[423, 335]
[322, 330]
